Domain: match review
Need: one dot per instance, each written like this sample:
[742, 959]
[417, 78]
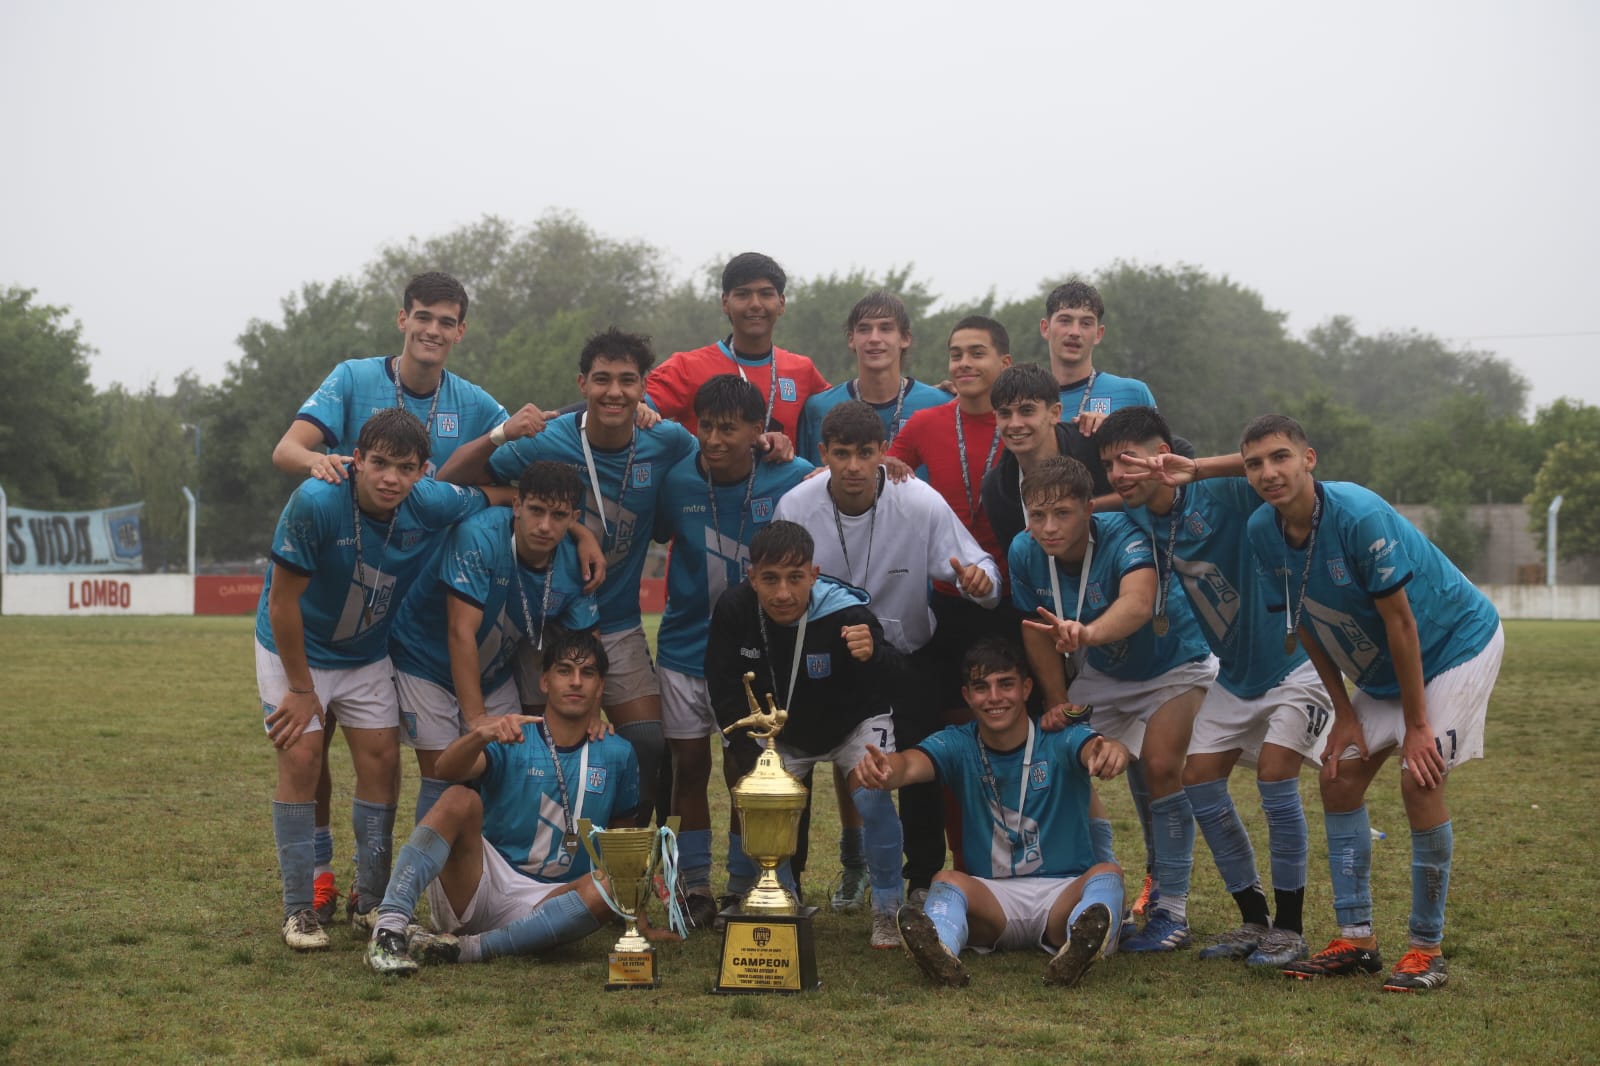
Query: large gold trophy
[767, 942]
[629, 857]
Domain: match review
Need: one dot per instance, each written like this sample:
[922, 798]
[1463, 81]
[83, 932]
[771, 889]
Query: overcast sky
[174, 169]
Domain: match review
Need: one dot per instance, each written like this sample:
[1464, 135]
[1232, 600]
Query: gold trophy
[767, 943]
[629, 857]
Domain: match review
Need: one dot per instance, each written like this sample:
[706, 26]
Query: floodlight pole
[1550, 550]
[193, 508]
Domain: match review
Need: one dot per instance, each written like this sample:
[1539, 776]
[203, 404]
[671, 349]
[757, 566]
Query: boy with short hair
[1031, 878]
[500, 580]
[1371, 599]
[815, 647]
[1074, 323]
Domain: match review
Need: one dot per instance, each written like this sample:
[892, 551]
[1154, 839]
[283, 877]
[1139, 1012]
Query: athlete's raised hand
[859, 640]
[1067, 633]
[874, 769]
[971, 579]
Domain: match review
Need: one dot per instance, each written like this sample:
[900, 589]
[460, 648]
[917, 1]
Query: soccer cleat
[386, 954]
[1235, 944]
[885, 932]
[1162, 932]
[324, 897]
[1145, 900]
[921, 941]
[361, 921]
[850, 890]
[1339, 959]
[1279, 948]
[1417, 971]
[700, 907]
[303, 932]
[428, 947]
[1084, 941]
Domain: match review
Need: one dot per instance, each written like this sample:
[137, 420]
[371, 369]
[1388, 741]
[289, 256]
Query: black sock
[1291, 907]
[1252, 905]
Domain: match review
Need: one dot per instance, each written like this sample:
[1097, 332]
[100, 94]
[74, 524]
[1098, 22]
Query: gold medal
[1161, 625]
[1288, 644]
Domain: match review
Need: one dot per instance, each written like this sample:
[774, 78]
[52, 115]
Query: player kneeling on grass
[1373, 600]
[1031, 878]
[502, 866]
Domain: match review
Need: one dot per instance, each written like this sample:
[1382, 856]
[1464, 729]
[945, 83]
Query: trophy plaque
[629, 858]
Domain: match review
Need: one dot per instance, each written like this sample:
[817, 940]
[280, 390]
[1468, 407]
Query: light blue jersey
[1049, 836]
[478, 564]
[917, 397]
[1111, 392]
[707, 562]
[1120, 548]
[1364, 551]
[522, 813]
[629, 510]
[1209, 530]
[347, 615]
[360, 388]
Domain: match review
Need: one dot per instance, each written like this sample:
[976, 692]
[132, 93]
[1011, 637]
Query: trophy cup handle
[585, 831]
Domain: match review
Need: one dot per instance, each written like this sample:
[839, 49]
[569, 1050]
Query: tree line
[1414, 418]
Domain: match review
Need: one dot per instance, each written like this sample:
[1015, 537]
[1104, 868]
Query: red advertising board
[227, 593]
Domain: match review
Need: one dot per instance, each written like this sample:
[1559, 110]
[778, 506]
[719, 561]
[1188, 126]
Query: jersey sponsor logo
[596, 781]
[1382, 547]
[1097, 598]
[750, 653]
[1337, 571]
[761, 509]
[1039, 776]
[819, 665]
[1134, 546]
[448, 424]
[641, 475]
[1385, 573]
[786, 390]
[1196, 524]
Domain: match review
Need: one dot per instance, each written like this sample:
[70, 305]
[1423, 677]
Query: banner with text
[55, 542]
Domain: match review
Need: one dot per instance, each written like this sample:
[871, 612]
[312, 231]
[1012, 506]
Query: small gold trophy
[767, 943]
[629, 857]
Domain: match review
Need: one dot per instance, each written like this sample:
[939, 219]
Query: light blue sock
[559, 920]
[1173, 821]
[884, 846]
[1100, 840]
[694, 858]
[323, 839]
[1431, 850]
[741, 868]
[428, 793]
[293, 830]
[419, 862]
[852, 846]
[1101, 888]
[374, 832]
[1287, 838]
[1350, 865]
[1141, 803]
[946, 908]
[649, 747]
[1224, 833]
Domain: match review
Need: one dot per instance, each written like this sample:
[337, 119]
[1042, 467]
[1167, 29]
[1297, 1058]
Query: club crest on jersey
[596, 781]
[1039, 776]
[448, 424]
[819, 665]
[1337, 571]
[786, 390]
[1101, 406]
[410, 538]
[761, 510]
[1196, 525]
[1097, 598]
[641, 475]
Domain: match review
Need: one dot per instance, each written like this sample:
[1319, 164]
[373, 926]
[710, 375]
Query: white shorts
[503, 896]
[1122, 709]
[631, 676]
[1294, 714]
[877, 731]
[685, 706]
[361, 697]
[1026, 903]
[430, 717]
[1458, 703]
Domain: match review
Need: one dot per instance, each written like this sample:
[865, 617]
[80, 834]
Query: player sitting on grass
[343, 556]
[815, 647]
[500, 578]
[1373, 600]
[502, 865]
[1031, 878]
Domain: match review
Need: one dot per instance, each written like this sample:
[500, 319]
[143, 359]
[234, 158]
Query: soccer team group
[984, 603]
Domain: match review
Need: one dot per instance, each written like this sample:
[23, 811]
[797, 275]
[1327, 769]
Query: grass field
[138, 887]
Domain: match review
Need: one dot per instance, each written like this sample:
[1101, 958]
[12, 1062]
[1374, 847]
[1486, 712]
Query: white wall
[1571, 602]
[84, 594]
